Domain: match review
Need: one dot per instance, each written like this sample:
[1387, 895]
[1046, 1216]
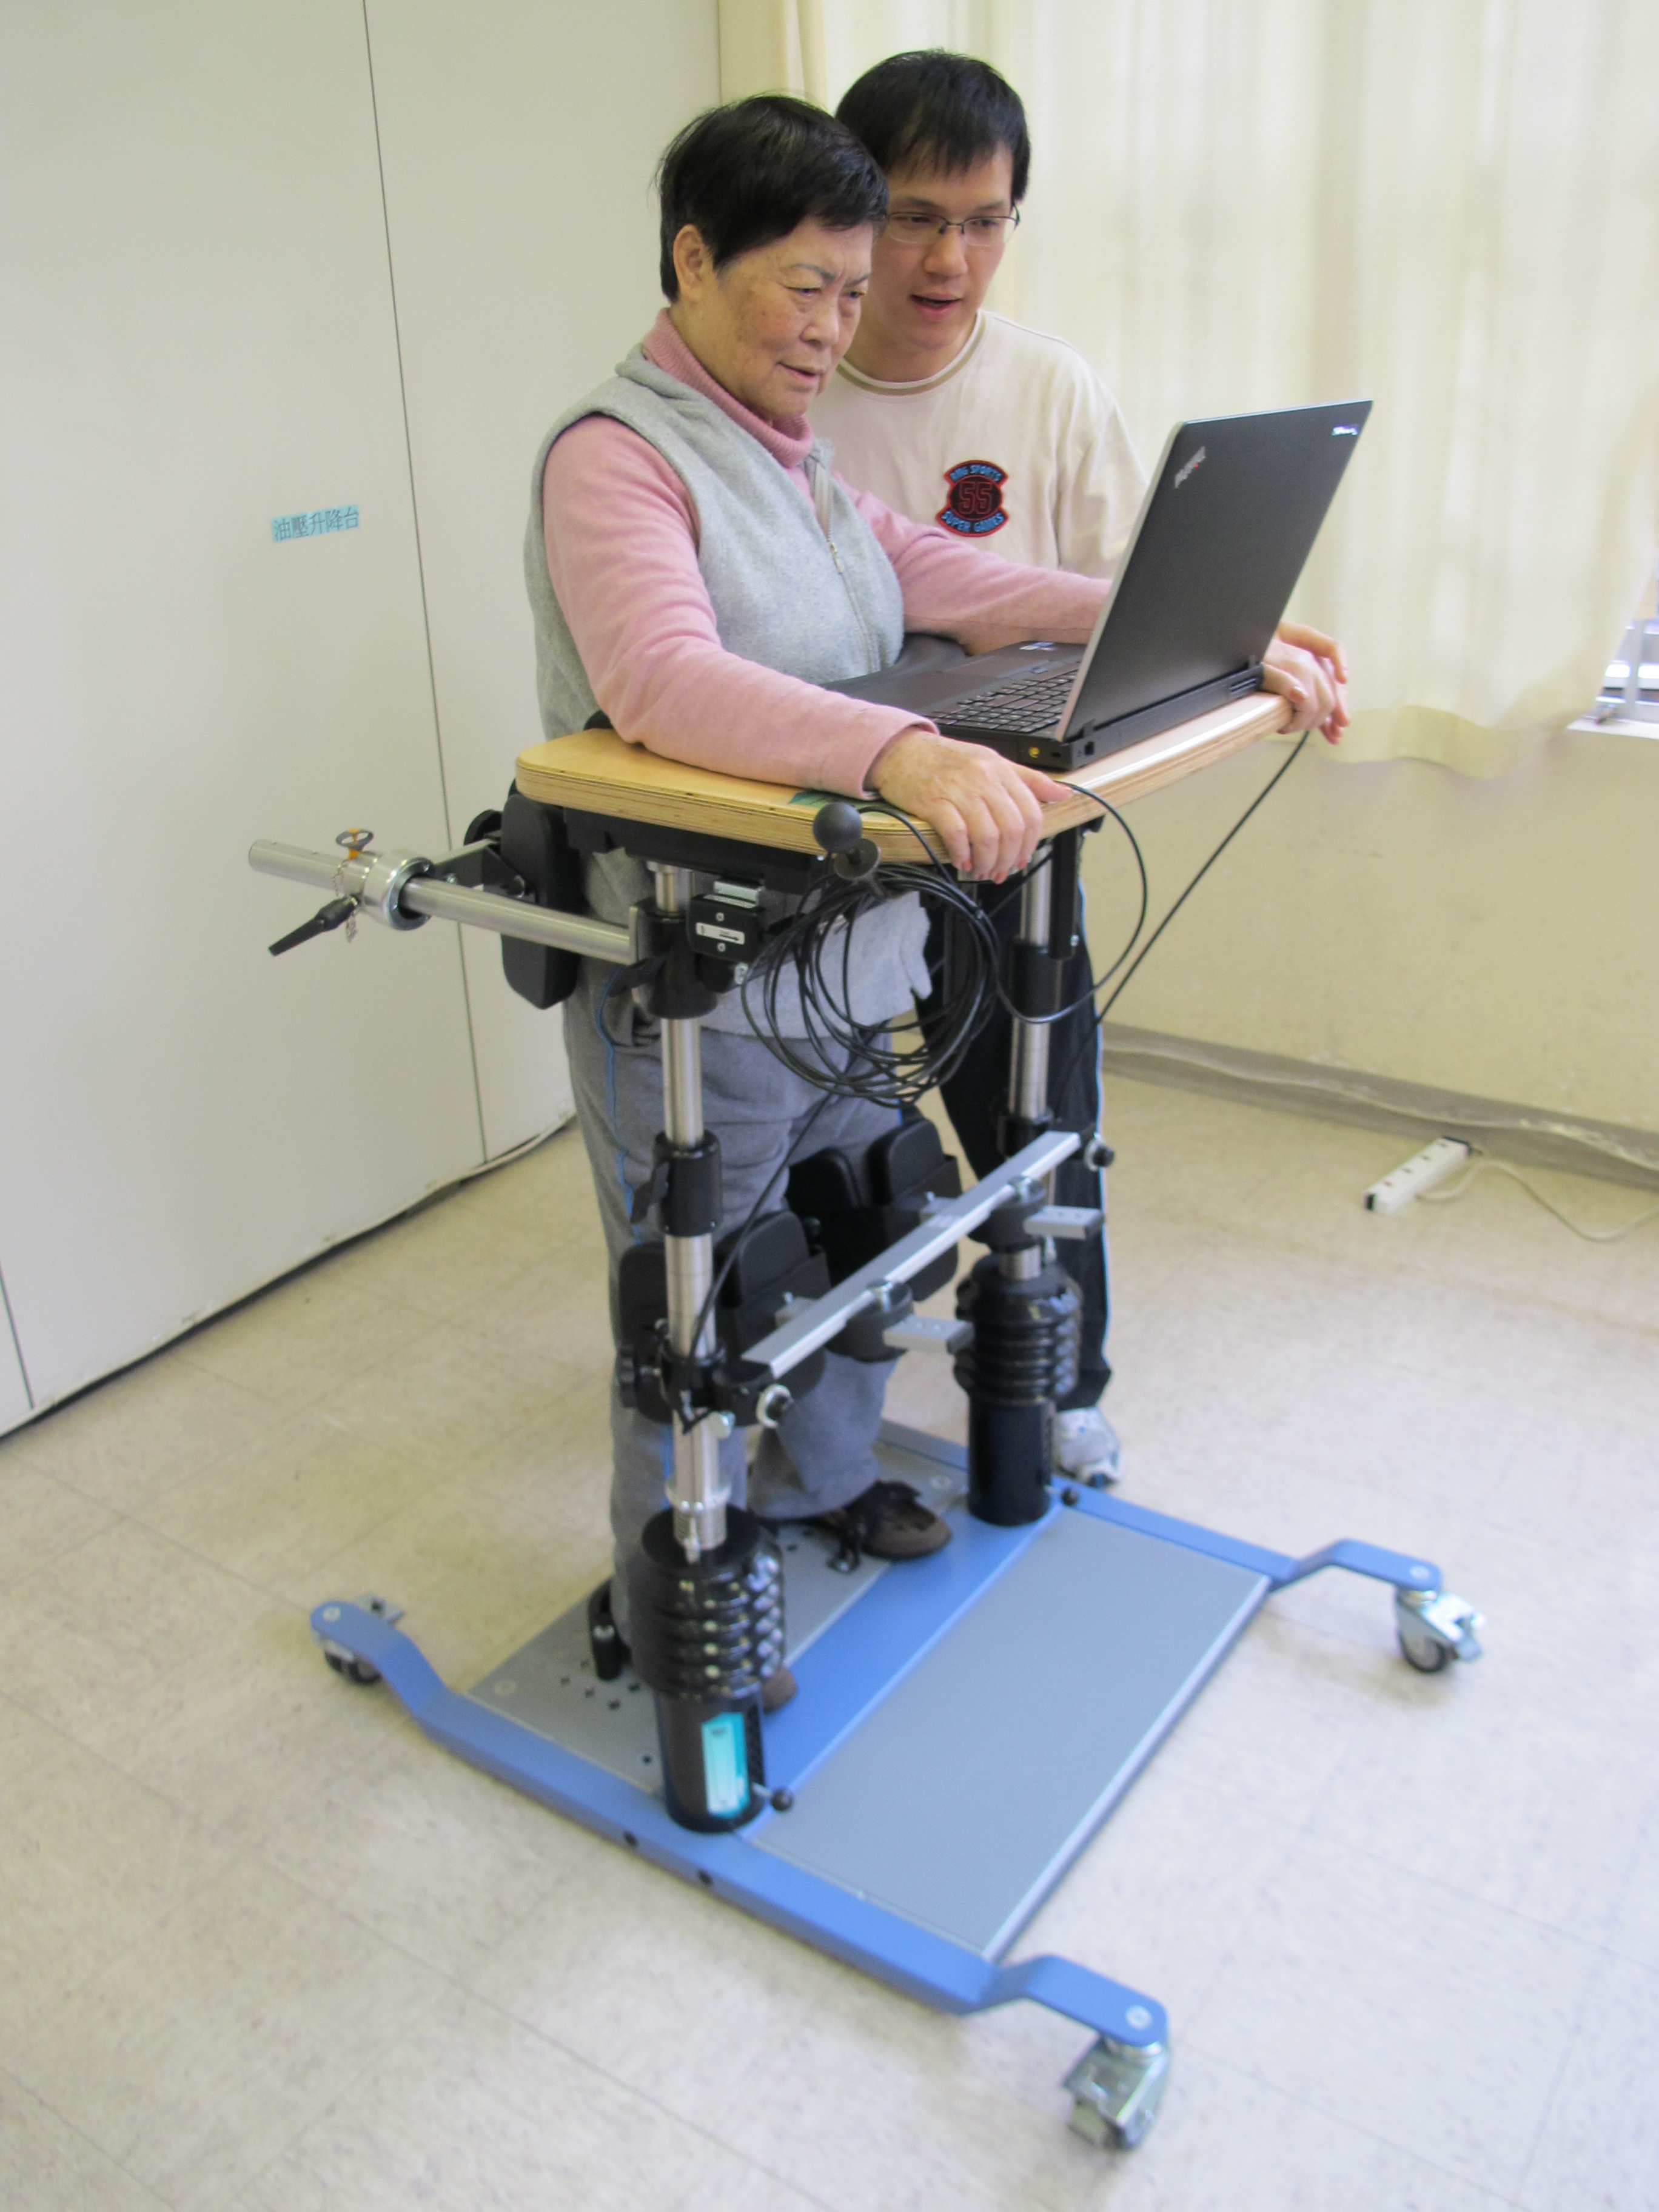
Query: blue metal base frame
[844, 1678]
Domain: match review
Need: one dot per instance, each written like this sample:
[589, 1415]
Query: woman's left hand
[1311, 671]
[988, 811]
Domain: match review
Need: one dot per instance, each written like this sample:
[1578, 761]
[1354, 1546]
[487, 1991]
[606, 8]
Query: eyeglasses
[980, 234]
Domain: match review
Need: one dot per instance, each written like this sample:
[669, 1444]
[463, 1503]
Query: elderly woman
[697, 571]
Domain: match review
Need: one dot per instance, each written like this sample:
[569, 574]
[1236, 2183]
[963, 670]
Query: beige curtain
[1449, 206]
[773, 45]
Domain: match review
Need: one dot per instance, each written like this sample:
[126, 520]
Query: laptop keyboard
[1029, 704]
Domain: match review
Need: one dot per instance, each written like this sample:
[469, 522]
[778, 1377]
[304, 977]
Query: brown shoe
[777, 1690]
[889, 1521]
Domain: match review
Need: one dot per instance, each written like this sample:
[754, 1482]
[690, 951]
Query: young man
[1007, 439]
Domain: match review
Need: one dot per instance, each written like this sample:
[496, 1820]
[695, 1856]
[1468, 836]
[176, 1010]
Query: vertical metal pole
[1027, 1074]
[699, 1495]
[1028, 1077]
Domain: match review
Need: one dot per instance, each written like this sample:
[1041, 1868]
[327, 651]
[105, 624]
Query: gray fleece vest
[780, 596]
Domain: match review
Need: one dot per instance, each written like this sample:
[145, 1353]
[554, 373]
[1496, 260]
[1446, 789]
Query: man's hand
[1311, 671]
[987, 810]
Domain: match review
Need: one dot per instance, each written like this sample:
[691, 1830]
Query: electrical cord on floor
[1444, 1117]
[1483, 1164]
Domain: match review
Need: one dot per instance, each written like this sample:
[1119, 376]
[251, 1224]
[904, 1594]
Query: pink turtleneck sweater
[623, 566]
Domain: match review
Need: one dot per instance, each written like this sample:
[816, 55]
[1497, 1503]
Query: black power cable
[1101, 1011]
[894, 1061]
[1098, 982]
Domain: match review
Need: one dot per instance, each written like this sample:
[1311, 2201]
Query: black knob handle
[837, 827]
[325, 918]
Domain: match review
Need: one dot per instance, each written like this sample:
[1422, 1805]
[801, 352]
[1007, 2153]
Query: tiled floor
[261, 1947]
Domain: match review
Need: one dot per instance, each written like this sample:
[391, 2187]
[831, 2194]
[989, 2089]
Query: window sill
[1619, 725]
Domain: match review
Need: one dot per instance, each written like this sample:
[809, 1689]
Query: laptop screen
[1224, 531]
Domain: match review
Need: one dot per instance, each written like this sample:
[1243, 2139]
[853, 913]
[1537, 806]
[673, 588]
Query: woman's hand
[1311, 671]
[987, 810]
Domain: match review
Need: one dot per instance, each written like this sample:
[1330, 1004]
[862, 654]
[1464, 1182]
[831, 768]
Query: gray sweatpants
[821, 1455]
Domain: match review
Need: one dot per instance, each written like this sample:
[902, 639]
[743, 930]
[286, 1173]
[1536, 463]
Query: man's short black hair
[747, 174]
[943, 111]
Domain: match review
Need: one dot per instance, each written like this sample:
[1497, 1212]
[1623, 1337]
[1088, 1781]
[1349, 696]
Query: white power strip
[1420, 1173]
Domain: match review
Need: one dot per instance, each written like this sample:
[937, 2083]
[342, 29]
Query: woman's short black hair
[946, 111]
[747, 174]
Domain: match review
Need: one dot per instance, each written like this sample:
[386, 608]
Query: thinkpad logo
[1182, 474]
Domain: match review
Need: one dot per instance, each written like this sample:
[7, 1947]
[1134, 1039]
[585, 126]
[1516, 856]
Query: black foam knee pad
[856, 1204]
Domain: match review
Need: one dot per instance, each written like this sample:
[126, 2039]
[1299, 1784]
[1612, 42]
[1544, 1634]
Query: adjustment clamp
[1009, 1229]
[864, 1336]
[684, 1186]
[383, 887]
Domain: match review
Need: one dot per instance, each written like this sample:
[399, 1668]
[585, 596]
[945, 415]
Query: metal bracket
[922, 1333]
[1074, 1224]
[1116, 2089]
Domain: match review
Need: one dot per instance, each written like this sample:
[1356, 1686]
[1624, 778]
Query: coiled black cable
[895, 1062]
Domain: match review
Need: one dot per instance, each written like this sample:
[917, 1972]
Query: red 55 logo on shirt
[973, 506]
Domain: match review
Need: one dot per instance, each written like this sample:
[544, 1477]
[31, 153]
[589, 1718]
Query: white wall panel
[196, 336]
[518, 140]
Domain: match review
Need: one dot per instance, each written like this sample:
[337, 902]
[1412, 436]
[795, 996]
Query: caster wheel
[1425, 1653]
[346, 1663]
[1434, 1628]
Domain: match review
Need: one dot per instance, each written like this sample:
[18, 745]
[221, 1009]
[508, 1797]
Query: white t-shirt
[1017, 444]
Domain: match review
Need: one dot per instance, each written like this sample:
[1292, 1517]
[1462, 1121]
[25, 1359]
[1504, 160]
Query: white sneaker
[1085, 1445]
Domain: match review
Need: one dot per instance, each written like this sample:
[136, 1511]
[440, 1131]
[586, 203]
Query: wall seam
[17, 1346]
[420, 568]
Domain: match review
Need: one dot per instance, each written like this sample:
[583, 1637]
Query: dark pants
[977, 1093]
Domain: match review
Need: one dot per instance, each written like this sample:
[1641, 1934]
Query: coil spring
[713, 1629]
[1026, 1335]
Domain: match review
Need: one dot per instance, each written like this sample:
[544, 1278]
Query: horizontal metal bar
[806, 1331]
[1281, 1568]
[344, 874]
[511, 917]
[340, 872]
[1398, 1568]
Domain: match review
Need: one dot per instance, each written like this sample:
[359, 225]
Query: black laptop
[1228, 522]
